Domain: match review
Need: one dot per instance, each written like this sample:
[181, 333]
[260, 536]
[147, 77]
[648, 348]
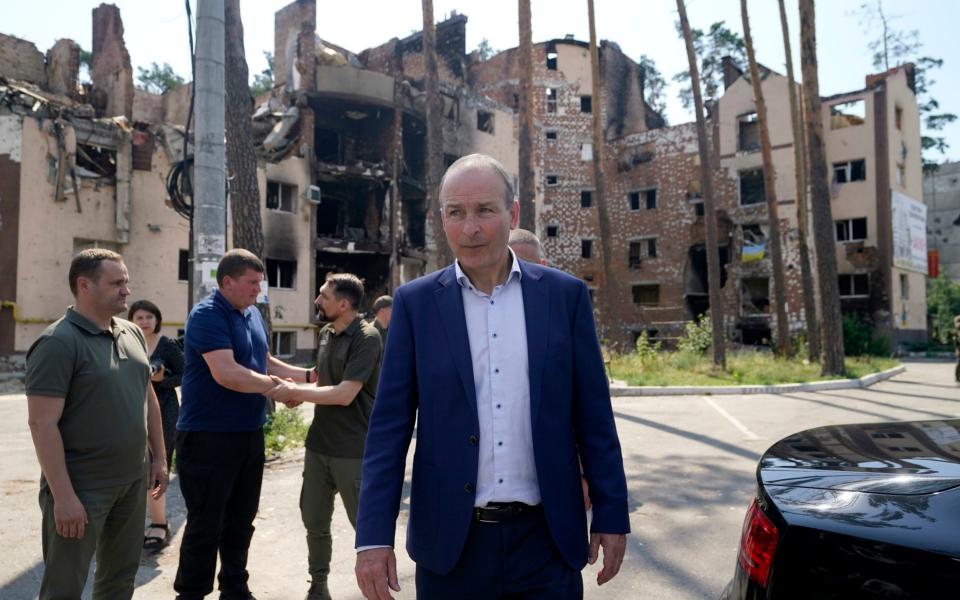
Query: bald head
[526, 245]
[481, 162]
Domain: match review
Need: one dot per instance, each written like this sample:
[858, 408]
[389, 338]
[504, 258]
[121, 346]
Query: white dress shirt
[497, 332]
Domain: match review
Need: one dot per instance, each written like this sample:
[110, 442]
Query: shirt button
[494, 335]
[501, 481]
[473, 440]
[498, 406]
[499, 443]
[496, 370]
[468, 488]
[491, 302]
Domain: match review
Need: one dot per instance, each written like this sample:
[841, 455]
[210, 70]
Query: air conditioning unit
[313, 194]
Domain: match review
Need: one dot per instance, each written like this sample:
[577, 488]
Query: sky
[157, 32]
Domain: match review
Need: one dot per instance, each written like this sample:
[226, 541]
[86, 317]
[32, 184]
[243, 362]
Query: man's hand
[283, 392]
[376, 570]
[614, 547]
[70, 516]
[159, 478]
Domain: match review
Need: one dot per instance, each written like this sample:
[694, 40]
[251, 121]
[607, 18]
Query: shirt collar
[222, 301]
[515, 272]
[350, 330]
[89, 326]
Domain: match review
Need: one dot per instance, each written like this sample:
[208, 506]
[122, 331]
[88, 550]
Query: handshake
[284, 391]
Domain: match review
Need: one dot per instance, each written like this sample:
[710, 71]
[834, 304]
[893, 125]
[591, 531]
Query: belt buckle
[480, 513]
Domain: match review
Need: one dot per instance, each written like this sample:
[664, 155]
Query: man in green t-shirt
[348, 370]
[91, 412]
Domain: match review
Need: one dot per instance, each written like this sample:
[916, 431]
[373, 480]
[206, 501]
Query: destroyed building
[341, 141]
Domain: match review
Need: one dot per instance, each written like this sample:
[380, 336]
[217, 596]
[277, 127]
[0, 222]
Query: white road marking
[743, 428]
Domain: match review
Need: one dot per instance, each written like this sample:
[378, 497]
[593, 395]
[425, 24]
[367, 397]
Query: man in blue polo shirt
[220, 451]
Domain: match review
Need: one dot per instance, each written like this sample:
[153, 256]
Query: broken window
[634, 199]
[848, 114]
[551, 59]
[586, 248]
[327, 146]
[451, 107]
[183, 265]
[485, 121]
[854, 285]
[586, 104]
[586, 198]
[904, 287]
[96, 161]
[551, 100]
[753, 234]
[551, 135]
[281, 273]
[854, 170]
[283, 344]
[755, 295]
[553, 231]
[646, 294]
[851, 230]
[586, 151]
[751, 187]
[748, 139]
[280, 196]
[698, 208]
[641, 249]
[553, 180]
[649, 198]
[898, 118]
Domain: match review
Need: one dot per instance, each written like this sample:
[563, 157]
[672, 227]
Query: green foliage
[485, 50]
[285, 428]
[646, 350]
[263, 81]
[860, 339]
[744, 367]
[943, 304]
[157, 79]
[654, 85]
[710, 47]
[697, 337]
[894, 47]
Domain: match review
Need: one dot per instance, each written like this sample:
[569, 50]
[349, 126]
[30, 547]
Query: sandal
[152, 542]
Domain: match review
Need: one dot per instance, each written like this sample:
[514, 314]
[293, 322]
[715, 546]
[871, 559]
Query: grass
[744, 367]
[285, 429]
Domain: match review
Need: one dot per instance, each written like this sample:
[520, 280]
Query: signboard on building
[909, 232]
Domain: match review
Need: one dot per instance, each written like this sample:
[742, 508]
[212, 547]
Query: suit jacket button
[468, 488]
[473, 440]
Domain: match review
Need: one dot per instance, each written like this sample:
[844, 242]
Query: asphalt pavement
[689, 460]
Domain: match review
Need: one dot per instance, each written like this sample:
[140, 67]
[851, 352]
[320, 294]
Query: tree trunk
[800, 166]
[769, 187]
[527, 193]
[609, 313]
[709, 205]
[396, 264]
[833, 363]
[241, 157]
[437, 251]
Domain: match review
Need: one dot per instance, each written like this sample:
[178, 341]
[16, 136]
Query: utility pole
[209, 180]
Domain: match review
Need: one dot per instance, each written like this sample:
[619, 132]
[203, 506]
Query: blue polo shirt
[205, 405]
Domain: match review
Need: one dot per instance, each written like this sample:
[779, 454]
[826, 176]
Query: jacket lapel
[450, 305]
[536, 312]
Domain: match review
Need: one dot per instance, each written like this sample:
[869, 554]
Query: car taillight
[758, 543]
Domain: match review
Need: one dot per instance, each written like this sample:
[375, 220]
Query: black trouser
[220, 476]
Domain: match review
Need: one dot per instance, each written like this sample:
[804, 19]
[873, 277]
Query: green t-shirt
[352, 355]
[102, 377]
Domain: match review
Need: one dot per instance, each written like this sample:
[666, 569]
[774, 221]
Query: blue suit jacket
[427, 379]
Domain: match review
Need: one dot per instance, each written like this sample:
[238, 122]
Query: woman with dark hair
[166, 364]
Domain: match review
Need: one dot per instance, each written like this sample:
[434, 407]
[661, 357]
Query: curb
[784, 388]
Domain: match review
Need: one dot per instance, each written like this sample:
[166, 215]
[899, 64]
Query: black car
[855, 511]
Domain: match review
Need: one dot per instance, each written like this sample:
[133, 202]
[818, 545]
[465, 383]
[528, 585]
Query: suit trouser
[324, 477]
[220, 476]
[511, 560]
[114, 532]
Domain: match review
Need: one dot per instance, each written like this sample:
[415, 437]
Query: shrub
[859, 339]
[647, 351]
[285, 428]
[697, 337]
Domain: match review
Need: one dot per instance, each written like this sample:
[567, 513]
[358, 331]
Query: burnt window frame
[756, 197]
[275, 338]
[743, 143]
[486, 121]
[843, 230]
[850, 290]
[276, 276]
[637, 289]
[282, 198]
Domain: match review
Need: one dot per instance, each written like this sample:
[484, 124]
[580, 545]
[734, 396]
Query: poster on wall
[909, 232]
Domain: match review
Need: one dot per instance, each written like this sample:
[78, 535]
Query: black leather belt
[496, 512]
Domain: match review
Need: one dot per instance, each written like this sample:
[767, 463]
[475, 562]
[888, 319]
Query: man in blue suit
[497, 363]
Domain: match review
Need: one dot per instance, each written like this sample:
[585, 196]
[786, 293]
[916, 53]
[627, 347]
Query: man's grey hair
[481, 161]
[523, 236]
